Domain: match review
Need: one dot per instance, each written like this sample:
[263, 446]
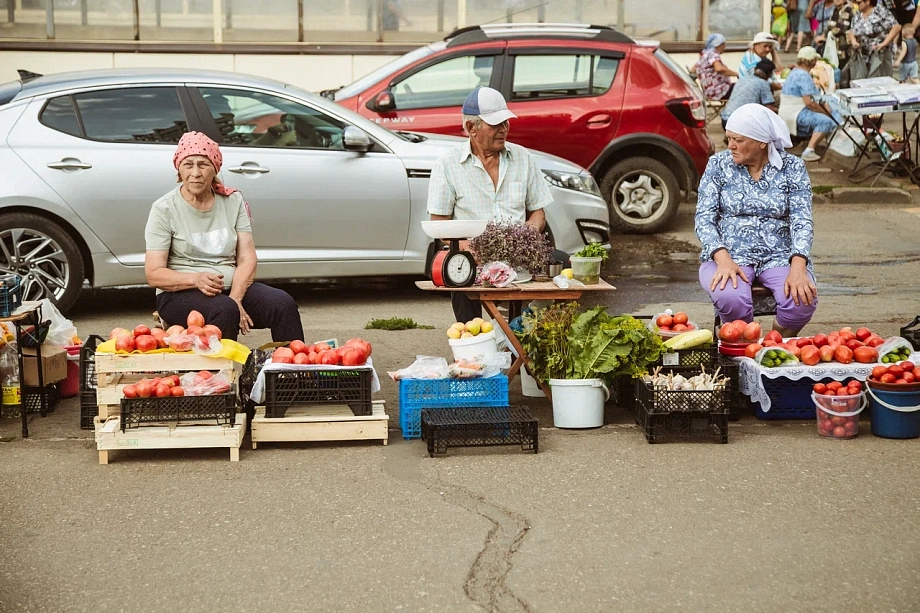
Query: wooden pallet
[109, 437]
[115, 371]
[320, 423]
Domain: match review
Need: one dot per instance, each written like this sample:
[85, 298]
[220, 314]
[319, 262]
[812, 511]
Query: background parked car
[84, 155]
[621, 108]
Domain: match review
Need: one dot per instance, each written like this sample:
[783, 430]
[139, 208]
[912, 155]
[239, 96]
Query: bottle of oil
[9, 379]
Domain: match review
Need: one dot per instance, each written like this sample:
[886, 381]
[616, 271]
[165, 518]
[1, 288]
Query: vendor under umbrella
[753, 217]
[201, 255]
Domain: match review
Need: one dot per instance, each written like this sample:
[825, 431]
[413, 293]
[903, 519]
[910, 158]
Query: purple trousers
[732, 304]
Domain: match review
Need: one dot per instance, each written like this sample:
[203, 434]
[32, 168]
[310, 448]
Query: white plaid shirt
[461, 187]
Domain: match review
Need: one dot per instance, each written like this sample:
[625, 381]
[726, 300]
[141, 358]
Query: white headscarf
[759, 123]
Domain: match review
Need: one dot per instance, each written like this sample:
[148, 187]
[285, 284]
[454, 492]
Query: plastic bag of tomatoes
[838, 406]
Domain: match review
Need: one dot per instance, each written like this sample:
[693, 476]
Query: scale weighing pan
[454, 228]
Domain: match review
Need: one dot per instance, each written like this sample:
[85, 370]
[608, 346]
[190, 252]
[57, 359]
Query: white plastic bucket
[481, 345]
[529, 386]
[578, 403]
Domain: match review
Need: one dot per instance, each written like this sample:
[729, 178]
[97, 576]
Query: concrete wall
[311, 72]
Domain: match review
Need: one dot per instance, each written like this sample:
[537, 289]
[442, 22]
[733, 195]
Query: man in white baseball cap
[763, 47]
[486, 177]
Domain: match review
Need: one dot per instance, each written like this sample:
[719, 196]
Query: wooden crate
[320, 423]
[115, 371]
[109, 437]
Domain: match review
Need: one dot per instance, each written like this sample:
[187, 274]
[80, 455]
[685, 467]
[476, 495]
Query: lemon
[567, 273]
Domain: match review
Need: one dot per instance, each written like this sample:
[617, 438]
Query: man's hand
[209, 283]
[726, 270]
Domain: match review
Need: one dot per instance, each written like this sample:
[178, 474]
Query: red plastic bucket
[70, 386]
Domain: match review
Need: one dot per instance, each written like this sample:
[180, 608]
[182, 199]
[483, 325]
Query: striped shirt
[461, 187]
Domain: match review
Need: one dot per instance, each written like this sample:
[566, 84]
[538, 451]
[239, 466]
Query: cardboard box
[54, 365]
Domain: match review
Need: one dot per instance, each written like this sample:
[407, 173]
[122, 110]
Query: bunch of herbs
[545, 339]
[518, 245]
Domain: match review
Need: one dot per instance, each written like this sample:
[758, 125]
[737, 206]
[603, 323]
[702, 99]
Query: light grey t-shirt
[198, 241]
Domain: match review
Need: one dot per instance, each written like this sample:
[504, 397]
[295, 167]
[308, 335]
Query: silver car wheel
[38, 259]
[640, 194]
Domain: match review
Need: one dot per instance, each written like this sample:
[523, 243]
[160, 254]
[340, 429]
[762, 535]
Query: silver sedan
[83, 155]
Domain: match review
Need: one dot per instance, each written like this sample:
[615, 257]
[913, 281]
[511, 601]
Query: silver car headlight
[580, 182]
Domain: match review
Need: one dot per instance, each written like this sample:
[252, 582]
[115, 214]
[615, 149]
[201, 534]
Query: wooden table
[29, 314]
[526, 292]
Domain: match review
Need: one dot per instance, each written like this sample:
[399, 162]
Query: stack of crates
[445, 394]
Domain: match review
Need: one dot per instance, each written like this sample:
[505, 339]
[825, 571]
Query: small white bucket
[481, 345]
[529, 386]
[578, 403]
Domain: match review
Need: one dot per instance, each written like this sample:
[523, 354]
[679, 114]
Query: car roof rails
[25, 75]
[500, 31]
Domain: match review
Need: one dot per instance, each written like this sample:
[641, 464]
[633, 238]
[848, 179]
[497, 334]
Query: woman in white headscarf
[712, 73]
[753, 217]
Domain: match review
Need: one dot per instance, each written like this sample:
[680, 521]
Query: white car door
[312, 201]
[110, 161]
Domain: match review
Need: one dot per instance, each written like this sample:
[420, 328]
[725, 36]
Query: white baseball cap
[488, 104]
[764, 37]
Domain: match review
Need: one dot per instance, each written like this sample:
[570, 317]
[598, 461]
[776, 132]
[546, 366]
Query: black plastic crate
[287, 387]
[689, 358]
[32, 398]
[10, 294]
[89, 407]
[479, 427]
[737, 402]
[138, 411]
[681, 414]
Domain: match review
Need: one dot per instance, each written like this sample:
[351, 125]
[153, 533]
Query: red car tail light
[690, 111]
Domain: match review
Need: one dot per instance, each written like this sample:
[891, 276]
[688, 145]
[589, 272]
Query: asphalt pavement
[598, 520]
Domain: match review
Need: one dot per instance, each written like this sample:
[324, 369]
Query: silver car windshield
[386, 70]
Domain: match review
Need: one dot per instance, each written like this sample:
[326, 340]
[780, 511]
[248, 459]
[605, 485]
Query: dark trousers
[268, 307]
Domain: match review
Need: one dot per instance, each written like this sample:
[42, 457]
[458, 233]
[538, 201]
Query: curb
[866, 195]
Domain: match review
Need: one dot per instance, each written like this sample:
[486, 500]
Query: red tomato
[194, 319]
[840, 432]
[664, 321]
[907, 365]
[917, 373]
[773, 335]
[909, 377]
[298, 347]
[820, 340]
[819, 388]
[144, 389]
[195, 330]
[855, 383]
[895, 370]
[146, 342]
[844, 355]
[854, 344]
[664, 328]
[846, 336]
[730, 333]
[205, 374]
[175, 379]
[177, 391]
[865, 355]
[751, 350]
[837, 420]
[312, 357]
[161, 391]
[125, 342]
[822, 415]
[141, 330]
[878, 371]
[900, 381]
[680, 318]
[301, 358]
[322, 347]
[212, 330]
[155, 381]
[282, 355]
[353, 357]
[329, 358]
[130, 391]
[834, 385]
[888, 378]
[875, 341]
[160, 335]
[680, 328]
[863, 333]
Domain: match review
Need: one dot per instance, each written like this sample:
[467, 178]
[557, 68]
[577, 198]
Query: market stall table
[488, 296]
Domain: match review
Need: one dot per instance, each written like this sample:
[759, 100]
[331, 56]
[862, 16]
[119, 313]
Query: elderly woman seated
[800, 108]
[754, 219]
[201, 255]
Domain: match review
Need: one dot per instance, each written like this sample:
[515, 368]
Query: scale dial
[459, 269]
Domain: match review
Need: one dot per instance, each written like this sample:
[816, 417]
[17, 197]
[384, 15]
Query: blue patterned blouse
[761, 223]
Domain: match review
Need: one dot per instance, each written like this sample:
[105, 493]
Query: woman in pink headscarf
[201, 255]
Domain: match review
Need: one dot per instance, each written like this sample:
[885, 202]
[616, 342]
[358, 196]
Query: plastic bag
[653, 326]
[487, 366]
[424, 367]
[62, 332]
[199, 384]
[497, 274]
[193, 342]
[563, 282]
[773, 357]
[900, 347]
[846, 144]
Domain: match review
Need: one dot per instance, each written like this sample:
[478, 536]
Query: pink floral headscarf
[197, 143]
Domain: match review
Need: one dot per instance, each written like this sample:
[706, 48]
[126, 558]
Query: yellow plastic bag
[230, 350]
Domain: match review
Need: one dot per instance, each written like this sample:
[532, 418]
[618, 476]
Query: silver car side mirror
[355, 139]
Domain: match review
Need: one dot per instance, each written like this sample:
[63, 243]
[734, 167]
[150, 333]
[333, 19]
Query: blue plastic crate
[788, 399]
[418, 394]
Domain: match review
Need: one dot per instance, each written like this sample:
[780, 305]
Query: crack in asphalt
[486, 580]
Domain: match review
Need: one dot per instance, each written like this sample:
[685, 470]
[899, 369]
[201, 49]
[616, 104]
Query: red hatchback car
[621, 108]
